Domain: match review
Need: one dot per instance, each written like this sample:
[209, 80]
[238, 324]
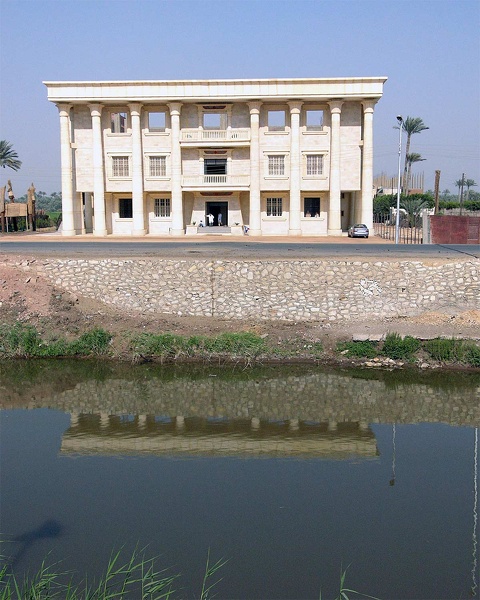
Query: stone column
[366, 213]
[295, 203]
[99, 221]
[176, 157]
[137, 171]
[68, 221]
[334, 211]
[255, 216]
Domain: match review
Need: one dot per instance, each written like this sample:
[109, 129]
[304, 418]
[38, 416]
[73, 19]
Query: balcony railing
[215, 135]
[216, 180]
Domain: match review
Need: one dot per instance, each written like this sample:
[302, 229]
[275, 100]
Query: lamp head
[400, 119]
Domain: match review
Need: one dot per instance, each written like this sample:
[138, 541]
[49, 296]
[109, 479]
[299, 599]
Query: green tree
[8, 157]
[411, 125]
[468, 184]
[413, 206]
[411, 158]
[459, 183]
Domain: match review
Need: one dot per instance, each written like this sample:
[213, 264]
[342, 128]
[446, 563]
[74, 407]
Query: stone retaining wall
[289, 290]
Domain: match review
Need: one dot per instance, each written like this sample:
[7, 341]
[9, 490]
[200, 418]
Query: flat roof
[194, 90]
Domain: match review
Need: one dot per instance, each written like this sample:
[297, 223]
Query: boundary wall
[278, 289]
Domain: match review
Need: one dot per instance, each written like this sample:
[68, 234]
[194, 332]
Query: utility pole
[437, 188]
[461, 193]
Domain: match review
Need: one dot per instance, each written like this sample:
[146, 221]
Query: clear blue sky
[428, 49]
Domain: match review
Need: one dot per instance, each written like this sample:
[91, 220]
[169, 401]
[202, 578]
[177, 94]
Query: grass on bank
[24, 341]
[134, 577]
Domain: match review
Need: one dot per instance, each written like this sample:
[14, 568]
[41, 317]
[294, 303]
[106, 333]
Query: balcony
[211, 137]
[215, 182]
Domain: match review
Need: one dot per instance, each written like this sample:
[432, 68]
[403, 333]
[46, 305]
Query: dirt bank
[55, 314]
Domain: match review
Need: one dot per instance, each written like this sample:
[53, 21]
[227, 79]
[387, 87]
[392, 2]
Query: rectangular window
[125, 208]
[314, 120]
[215, 166]
[314, 164]
[162, 207]
[212, 121]
[157, 121]
[118, 122]
[158, 166]
[274, 207]
[276, 165]
[120, 166]
[276, 120]
[311, 207]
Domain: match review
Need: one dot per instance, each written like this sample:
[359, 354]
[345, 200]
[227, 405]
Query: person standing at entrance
[210, 218]
[219, 219]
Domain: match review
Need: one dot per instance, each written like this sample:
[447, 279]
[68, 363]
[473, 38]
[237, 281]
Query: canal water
[291, 473]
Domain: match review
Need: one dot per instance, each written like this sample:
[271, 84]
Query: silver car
[358, 230]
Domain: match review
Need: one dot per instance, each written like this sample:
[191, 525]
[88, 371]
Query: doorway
[216, 209]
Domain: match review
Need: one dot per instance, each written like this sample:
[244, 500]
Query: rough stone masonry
[278, 289]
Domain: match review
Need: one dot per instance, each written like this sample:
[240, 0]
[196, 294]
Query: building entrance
[219, 210]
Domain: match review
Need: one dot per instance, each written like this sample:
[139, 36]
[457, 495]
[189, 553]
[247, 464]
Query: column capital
[295, 106]
[336, 106]
[368, 105]
[254, 107]
[95, 109]
[135, 107]
[64, 108]
[175, 108]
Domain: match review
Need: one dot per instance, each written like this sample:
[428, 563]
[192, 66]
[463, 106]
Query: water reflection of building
[216, 436]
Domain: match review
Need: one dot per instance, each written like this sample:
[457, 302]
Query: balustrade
[215, 135]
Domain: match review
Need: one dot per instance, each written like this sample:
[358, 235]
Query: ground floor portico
[204, 212]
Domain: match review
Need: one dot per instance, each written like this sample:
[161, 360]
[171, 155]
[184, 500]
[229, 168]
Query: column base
[100, 232]
[255, 232]
[177, 232]
[334, 232]
[69, 232]
[295, 232]
[139, 232]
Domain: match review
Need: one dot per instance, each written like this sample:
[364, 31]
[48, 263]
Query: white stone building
[276, 156]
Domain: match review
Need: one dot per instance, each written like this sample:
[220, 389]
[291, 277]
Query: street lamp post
[397, 217]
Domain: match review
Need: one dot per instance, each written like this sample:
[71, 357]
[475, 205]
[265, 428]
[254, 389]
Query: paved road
[252, 249]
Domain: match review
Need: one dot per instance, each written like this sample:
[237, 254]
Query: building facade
[166, 158]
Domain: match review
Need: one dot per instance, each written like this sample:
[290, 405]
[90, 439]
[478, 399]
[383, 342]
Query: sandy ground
[54, 313]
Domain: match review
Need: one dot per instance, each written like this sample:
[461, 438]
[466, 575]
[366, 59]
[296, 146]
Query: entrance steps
[223, 230]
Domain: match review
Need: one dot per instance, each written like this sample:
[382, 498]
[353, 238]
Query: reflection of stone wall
[323, 396]
[269, 289]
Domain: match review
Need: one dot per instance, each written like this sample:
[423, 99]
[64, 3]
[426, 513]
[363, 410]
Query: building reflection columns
[334, 213]
[255, 206]
[177, 228]
[99, 220]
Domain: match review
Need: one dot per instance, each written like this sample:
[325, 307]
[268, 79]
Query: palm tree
[459, 183]
[411, 158]
[468, 184]
[413, 206]
[8, 157]
[411, 125]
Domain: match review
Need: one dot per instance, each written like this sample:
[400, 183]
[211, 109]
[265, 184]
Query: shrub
[445, 349]
[398, 348]
[91, 342]
[20, 340]
[472, 355]
[366, 349]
